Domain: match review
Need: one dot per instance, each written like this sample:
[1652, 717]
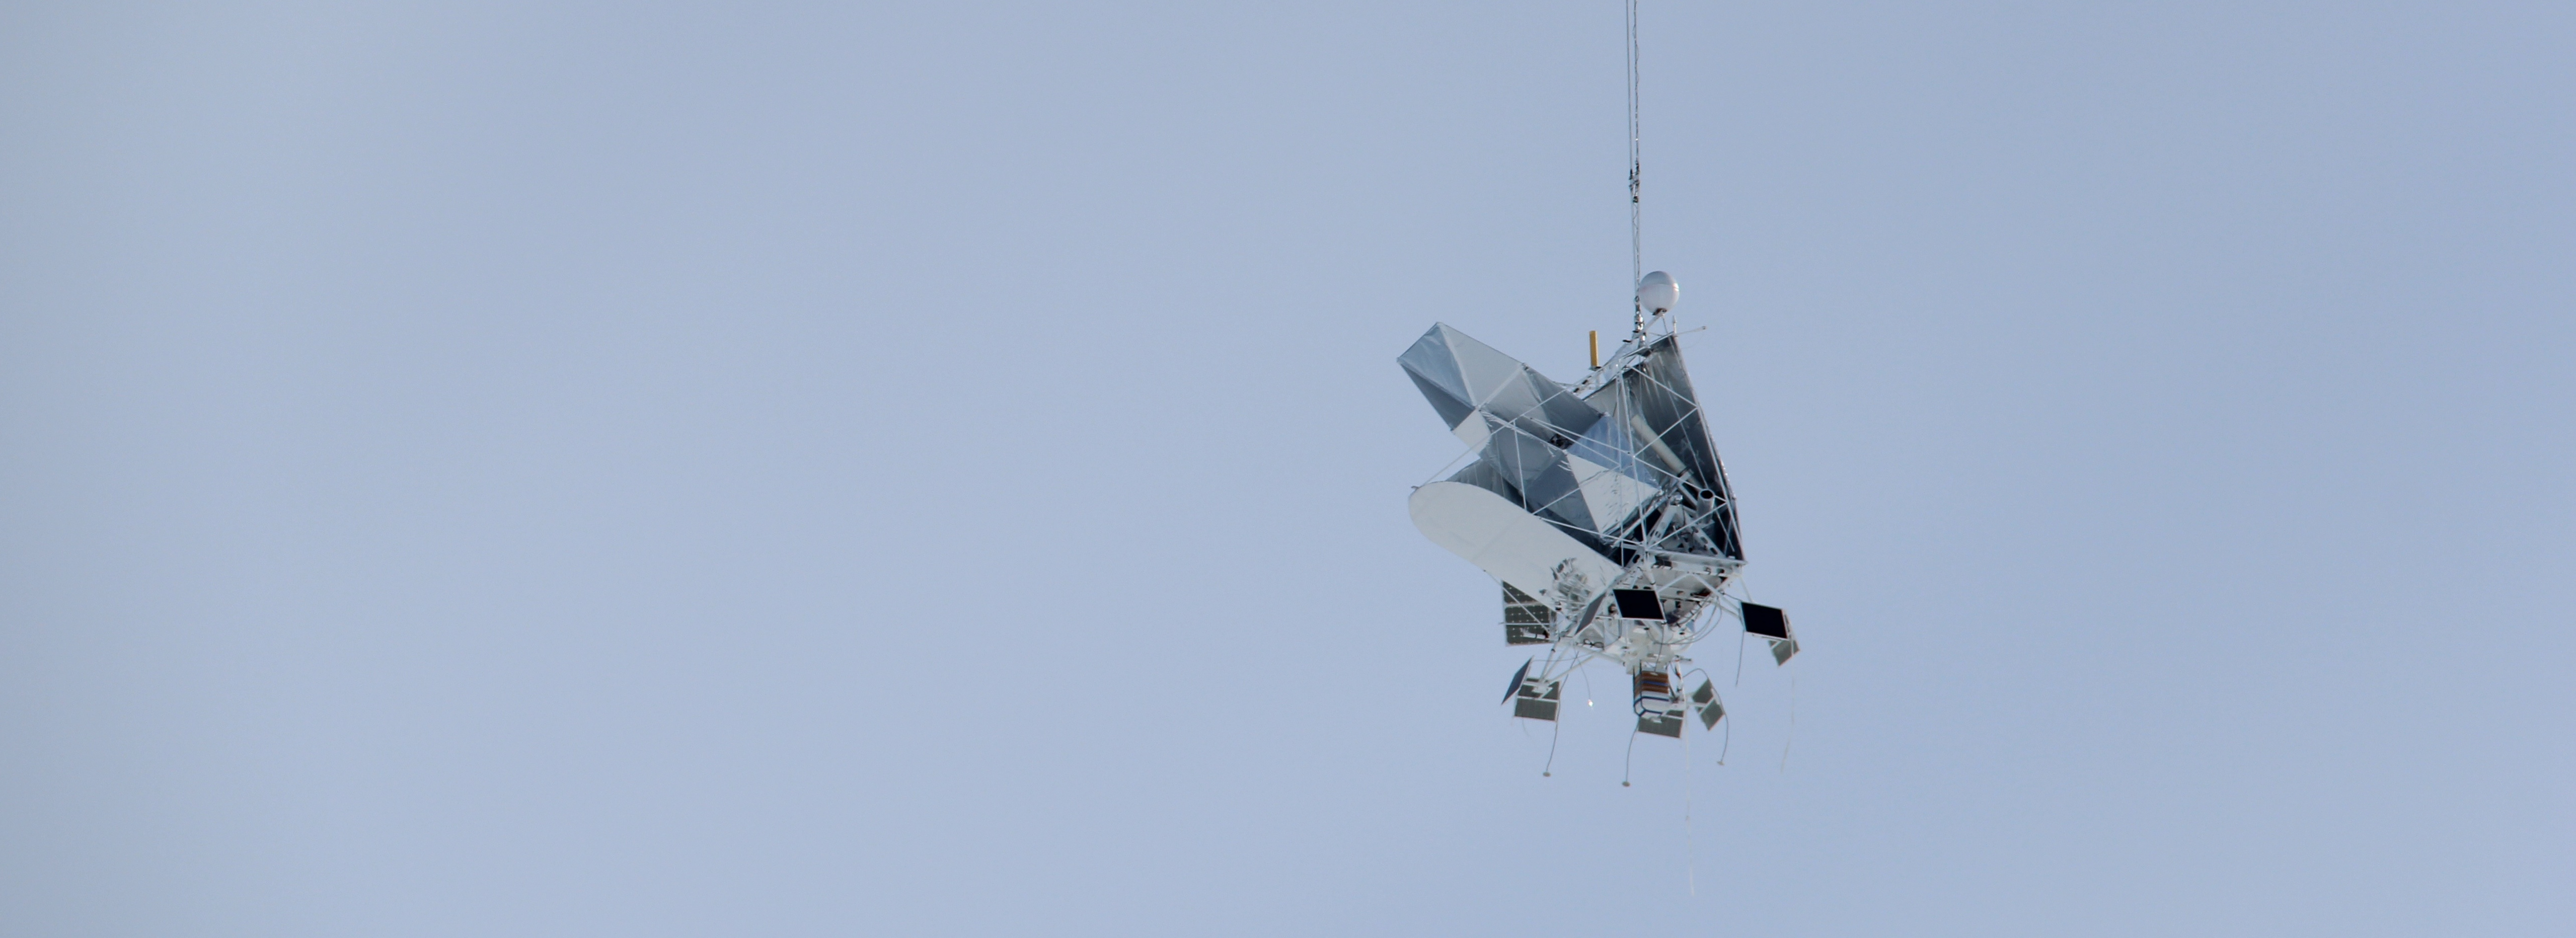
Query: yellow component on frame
[1596, 348]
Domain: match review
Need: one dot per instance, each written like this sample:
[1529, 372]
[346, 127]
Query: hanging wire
[1553, 727]
[1628, 765]
[1636, 208]
[1793, 724]
[1690, 839]
[1729, 744]
[1739, 660]
[1741, 639]
[1690, 842]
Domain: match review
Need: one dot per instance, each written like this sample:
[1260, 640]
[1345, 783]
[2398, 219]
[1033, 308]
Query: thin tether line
[1636, 165]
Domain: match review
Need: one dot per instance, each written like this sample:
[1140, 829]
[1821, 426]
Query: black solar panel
[1638, 604]
[1766, 621]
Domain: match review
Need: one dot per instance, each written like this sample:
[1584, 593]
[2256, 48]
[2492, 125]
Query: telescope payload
[1601, 510]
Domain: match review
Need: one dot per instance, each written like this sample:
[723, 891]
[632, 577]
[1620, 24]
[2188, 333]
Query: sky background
[543, 469]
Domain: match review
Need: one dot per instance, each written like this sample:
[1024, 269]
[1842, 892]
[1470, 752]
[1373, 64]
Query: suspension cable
[1636, 208]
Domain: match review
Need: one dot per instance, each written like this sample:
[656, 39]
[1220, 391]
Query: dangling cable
[1553, 727]
[1746, 636]
[1793, 723]
[1728, 744]
[1690, 843]
[1739, 659]
[1627, 765]
[1636, 166]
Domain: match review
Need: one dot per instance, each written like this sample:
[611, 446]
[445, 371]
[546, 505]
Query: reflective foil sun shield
[1654, 399]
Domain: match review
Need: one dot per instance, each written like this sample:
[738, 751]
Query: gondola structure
[1600, 508]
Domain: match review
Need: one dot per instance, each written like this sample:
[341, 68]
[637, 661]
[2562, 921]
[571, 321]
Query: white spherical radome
[1658, 294]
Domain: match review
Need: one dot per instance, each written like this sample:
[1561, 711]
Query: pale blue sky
[541, 469]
